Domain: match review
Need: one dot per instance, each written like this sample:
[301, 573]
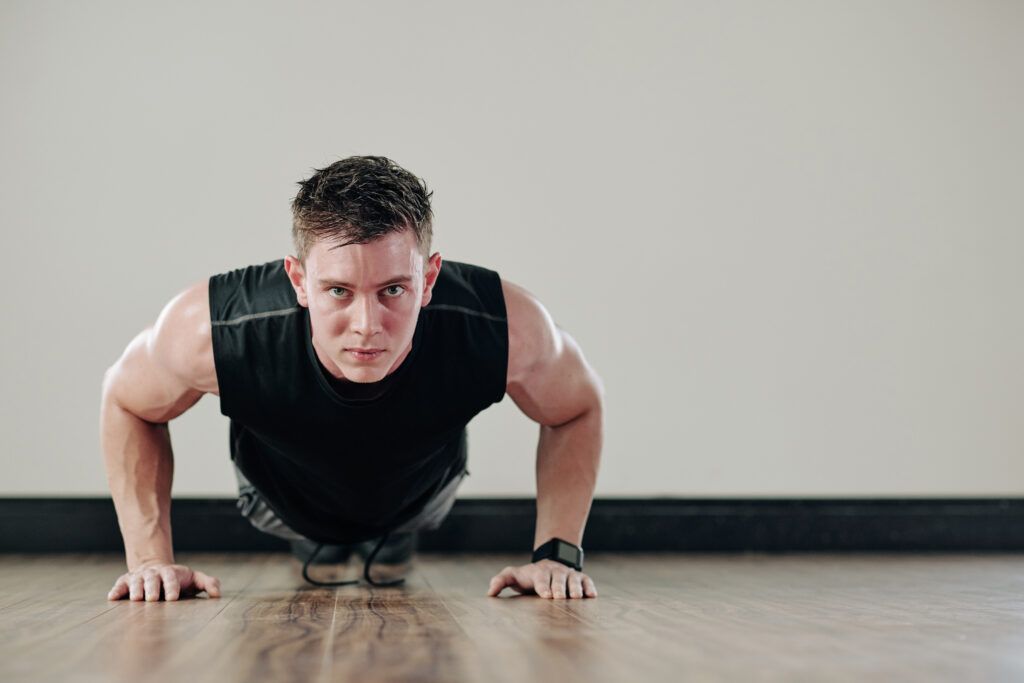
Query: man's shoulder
[465, 274]
[258, 289]
[469, 286]
[266, 274]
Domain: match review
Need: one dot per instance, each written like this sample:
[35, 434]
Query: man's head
[359, 199]
[362, 232]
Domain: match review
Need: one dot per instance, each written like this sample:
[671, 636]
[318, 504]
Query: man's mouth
[364, 354]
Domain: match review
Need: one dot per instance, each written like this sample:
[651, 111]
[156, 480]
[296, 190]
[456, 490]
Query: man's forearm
[140, 468]
[567, 462]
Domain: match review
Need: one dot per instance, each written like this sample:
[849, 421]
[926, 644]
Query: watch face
[567, 552]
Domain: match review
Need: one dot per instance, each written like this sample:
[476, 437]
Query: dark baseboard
[623, 525]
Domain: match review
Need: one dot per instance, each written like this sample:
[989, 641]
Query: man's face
[364, 300]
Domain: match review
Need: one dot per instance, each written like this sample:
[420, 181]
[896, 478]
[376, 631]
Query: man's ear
[430, 274]
[297, 275]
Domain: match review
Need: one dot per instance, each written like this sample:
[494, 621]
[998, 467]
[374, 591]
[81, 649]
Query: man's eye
[337, 292]
[394, 290]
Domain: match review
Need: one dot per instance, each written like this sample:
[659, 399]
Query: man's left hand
[546, 578]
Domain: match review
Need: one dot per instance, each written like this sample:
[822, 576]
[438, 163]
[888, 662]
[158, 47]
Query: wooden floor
[658, 618]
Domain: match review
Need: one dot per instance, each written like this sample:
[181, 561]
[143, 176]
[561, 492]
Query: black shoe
[398, 549]
[329, 554]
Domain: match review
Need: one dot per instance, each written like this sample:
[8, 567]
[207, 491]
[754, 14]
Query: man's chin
[366, 380]
[364, 375]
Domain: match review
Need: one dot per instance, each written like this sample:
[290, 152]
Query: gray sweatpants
[253, 508]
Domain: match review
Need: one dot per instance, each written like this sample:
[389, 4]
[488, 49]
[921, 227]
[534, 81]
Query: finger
[589, 589]
[172, 588]
[519, 579]
[575, 585]
[542, 583]
[120, 588]
[506, 577]
[496, 586]
[152, 583]
[205, 582]
[135, 587]
[558, 581]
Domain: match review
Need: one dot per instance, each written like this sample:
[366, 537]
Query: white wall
[788, 235]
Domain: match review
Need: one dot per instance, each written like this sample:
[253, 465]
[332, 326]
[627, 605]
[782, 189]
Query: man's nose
[366, 316]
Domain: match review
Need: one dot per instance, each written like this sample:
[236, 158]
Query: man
[349, 372]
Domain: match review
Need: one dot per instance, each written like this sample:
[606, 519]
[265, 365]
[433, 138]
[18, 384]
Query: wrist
[560, 550]
[148, 556]
[135, 565]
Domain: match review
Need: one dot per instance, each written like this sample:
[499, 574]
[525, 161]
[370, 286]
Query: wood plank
[658, 617]
[125, 639]
[47, 595]
[535, 637]
[810, 615]
[285, 630]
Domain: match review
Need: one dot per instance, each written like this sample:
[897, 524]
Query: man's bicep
[548, 378]
[141, 385]
[559, 389]
[183, 343]
[167, 368]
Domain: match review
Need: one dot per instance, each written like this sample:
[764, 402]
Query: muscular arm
[551, 382]
[162, 373]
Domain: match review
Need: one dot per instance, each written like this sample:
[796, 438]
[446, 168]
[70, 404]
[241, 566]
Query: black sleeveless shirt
[336, 467]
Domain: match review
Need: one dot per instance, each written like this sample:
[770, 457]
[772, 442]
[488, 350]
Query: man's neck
[360, 391]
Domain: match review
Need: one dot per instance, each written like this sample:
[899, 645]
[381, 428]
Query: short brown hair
[358, 199]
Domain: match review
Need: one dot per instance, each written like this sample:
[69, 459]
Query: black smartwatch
[560, 551]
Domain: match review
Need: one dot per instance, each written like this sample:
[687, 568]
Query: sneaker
[398, 549]
[329, 554]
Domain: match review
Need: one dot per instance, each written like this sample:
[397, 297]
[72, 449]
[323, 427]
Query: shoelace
[366, 569]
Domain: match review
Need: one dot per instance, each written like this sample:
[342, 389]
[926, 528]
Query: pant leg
[254, 509]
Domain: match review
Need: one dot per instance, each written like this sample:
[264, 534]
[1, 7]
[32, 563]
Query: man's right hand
[176, 580]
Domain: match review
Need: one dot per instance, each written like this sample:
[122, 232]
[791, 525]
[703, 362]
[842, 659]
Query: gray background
[788, 235]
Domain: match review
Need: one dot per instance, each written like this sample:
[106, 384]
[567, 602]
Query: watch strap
[562, 551]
